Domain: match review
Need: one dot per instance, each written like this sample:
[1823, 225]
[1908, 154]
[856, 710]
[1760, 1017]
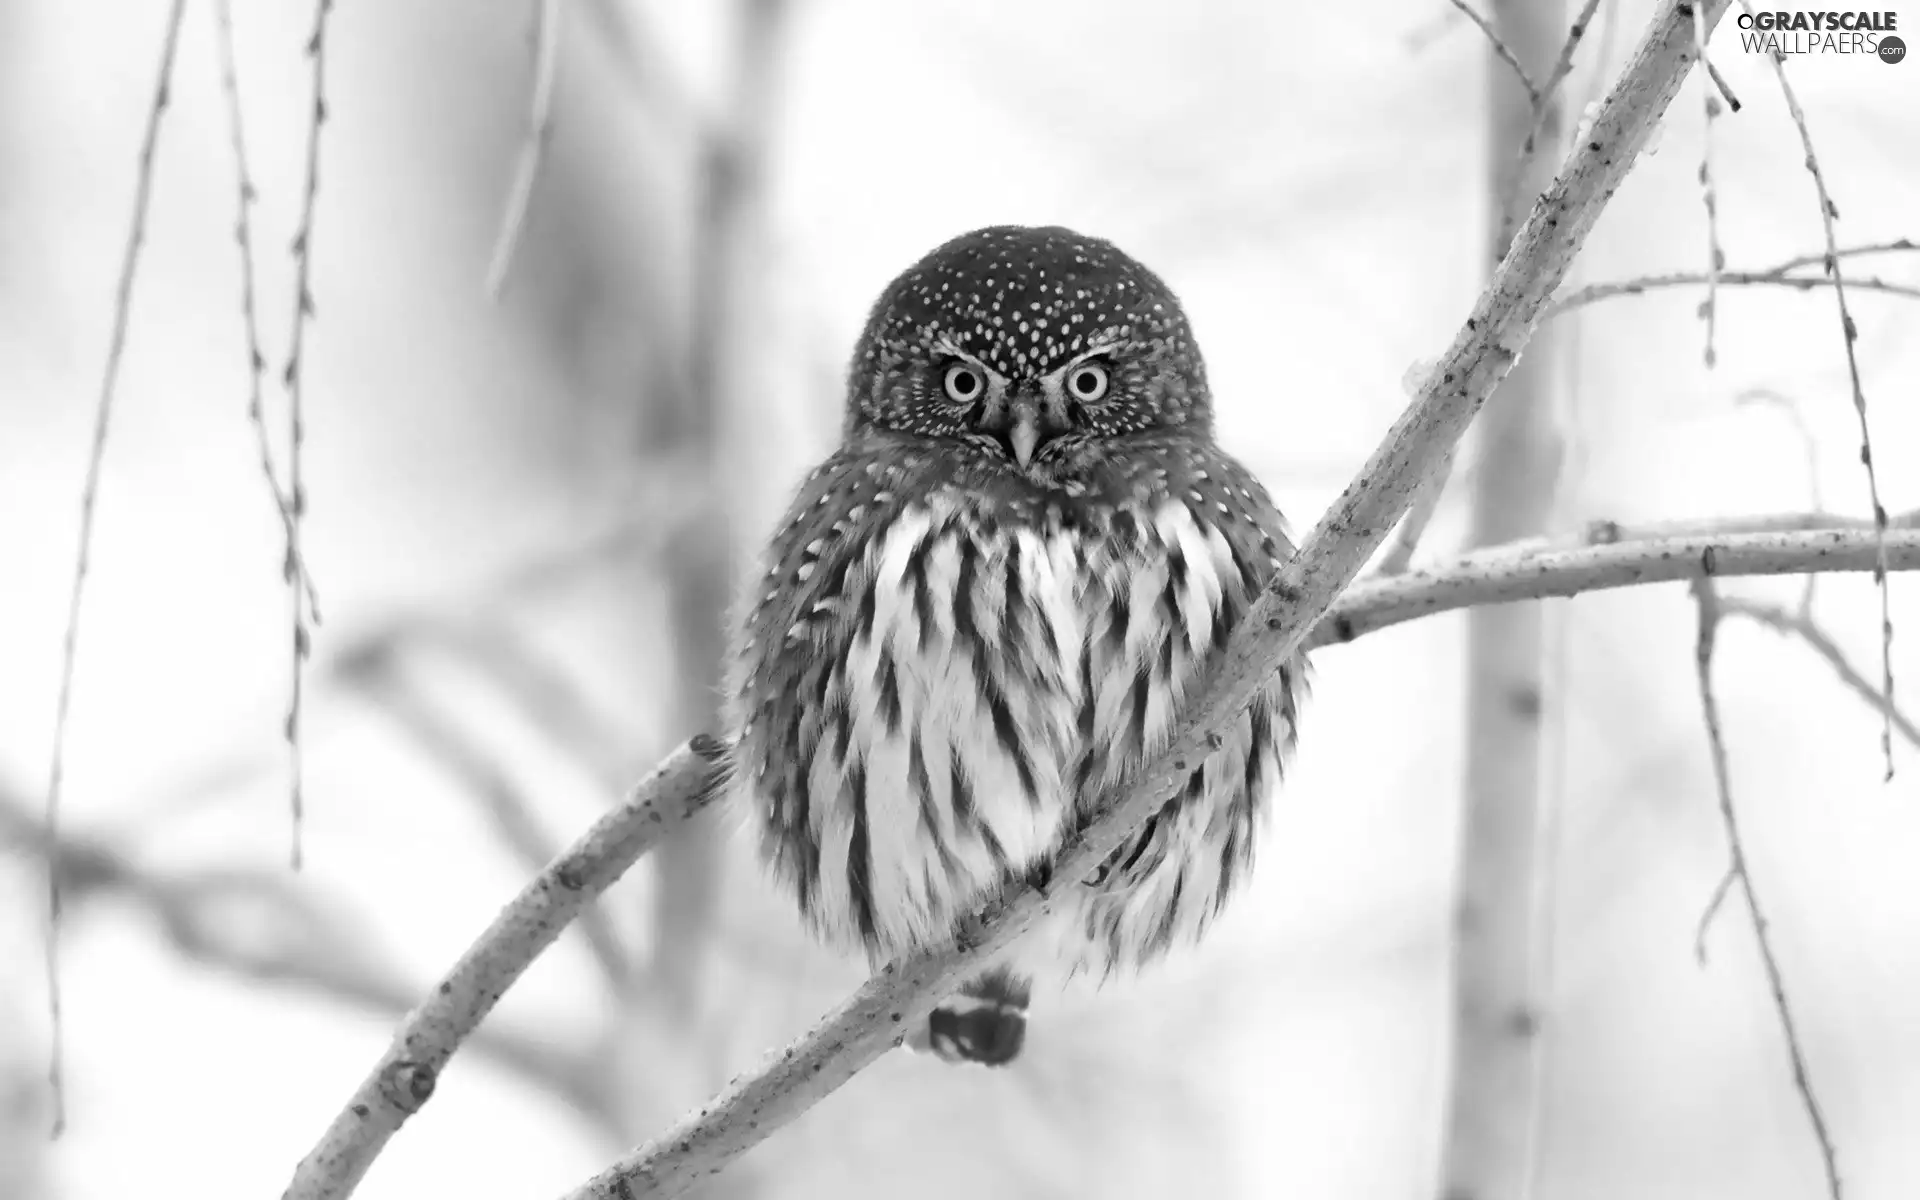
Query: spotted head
[1031, 346]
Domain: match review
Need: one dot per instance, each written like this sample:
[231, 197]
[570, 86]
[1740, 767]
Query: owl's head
[1033, 344]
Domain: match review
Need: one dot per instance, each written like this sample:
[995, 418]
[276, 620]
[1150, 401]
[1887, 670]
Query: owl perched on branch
[982, 615]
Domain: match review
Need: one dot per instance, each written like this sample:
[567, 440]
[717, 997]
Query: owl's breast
[936, 756]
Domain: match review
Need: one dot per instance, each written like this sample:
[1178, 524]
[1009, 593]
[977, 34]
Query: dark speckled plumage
[983, 613]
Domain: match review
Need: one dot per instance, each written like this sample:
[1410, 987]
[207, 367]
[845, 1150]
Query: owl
[983, 615]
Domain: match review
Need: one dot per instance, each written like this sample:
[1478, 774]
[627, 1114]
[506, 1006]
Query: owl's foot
[1040, 877]
[985, 1024]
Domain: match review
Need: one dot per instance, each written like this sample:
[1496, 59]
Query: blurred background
[525, 516]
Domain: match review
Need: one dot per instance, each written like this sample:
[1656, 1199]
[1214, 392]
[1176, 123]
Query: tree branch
[1738, 875]
[89, 500]
[404, 1078]
[1508, 574]
[293, 376]
[1595, 293]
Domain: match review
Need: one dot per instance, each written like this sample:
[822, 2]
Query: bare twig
[294, 378]
[404, 1078]
[1801, 624]
[1780, 273]
[1849, 334]
[1593, 293]
[256, 358]
[546, 60]
[1510, 573]
[89, 498]
[1897, 246]
[1741, 873]
[1501, 50]
[1413, 526]
[1716, 257]
[1562, 67]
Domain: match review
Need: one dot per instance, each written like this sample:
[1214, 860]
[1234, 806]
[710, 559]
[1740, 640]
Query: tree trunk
[1496, 985]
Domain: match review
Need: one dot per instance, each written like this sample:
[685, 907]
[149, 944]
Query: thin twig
[1803, 626]
[1897, 246]
[1716, 257]
[404, 1078]
[294, 378]
[1704, 925]
[1593, 293]
[256, 358]
[1413, 526]
[546, 60]
[1501, 50]
[1562, 67]
[1719, 82]
[1849, 334]
[89, 498]
[1742, 875]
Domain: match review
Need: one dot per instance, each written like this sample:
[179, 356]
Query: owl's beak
[1023, 422]
[1025, 434]
[1030, 421]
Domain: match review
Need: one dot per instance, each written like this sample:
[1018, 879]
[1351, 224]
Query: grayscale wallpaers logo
[1803, 32]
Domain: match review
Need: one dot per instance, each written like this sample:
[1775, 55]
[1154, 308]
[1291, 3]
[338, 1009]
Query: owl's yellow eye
[1087, 382]
[963, 383]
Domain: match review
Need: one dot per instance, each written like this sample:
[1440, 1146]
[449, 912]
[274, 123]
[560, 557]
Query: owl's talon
[1040, 877]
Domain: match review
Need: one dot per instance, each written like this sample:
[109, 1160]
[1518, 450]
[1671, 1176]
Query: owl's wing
[793, 617]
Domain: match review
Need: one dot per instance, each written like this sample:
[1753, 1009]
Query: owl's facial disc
[1021, 416]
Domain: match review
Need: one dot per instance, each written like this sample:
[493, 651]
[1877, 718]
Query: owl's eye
[1087, 382]
[963, 383]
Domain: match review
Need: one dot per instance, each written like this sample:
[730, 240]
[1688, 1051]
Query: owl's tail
[986, 1022]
